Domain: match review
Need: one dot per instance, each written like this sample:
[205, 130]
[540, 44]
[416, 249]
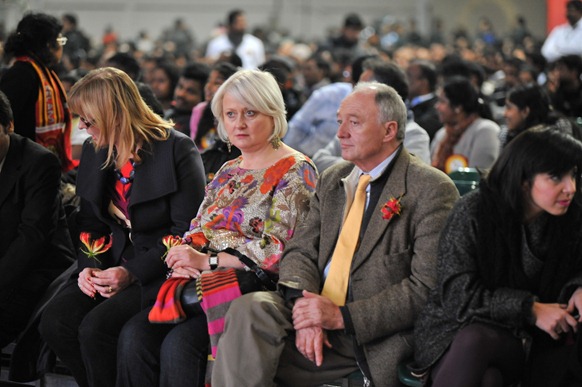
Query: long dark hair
[207, 120]
[531, 97]
[504, 193]
[35, 35]
[461, 93]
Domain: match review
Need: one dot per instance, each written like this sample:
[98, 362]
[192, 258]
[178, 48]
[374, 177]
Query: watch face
[213, 262]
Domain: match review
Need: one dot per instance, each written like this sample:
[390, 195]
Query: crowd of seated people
[192, 190]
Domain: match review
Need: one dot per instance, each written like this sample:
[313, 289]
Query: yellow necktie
[336, 284]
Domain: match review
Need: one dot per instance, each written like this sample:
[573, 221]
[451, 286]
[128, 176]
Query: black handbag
[265, 280]
[252, 280]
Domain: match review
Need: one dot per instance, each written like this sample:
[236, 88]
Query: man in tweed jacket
[297, 337]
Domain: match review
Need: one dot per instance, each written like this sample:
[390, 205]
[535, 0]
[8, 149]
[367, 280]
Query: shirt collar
[421, 98]
[380, 168]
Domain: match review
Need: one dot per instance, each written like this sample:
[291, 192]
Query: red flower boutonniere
[94, 247]
[391, 207]
[170, 241]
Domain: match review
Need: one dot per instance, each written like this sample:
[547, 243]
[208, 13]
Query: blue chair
[465, 179]
[406, 377]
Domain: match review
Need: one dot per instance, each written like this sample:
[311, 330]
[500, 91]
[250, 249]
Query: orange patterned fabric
[53, 119]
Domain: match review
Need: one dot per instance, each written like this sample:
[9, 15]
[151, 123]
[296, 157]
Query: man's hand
[317, 311]
[310, 341]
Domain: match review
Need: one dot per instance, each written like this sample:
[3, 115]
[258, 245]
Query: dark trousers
[84, 332]
[480, 355]
[167, 355]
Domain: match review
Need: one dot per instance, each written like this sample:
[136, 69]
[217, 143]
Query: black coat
[425, 115]
[35, 246]
[167, 189]
[20, 83]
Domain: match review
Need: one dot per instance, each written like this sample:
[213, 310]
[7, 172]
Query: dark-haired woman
[509, 292]
[528, 106]
[163, 82]
[466, 139]
[35, 92]
[203, 124]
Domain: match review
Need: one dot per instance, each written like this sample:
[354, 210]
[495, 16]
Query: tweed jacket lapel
[331, 222]
[378, 226]
[332, 216]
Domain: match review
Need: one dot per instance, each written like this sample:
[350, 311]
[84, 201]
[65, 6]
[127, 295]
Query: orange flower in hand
[94, 247]
[170, 241]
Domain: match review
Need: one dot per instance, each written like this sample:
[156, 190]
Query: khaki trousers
[257, 348]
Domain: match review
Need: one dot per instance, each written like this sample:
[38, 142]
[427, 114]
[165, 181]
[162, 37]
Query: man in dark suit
[35, 246]
[422, 80]
[315, 339]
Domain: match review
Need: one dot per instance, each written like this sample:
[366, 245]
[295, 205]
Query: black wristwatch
[213, 261]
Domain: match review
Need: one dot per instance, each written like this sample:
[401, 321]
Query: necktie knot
[363, 182]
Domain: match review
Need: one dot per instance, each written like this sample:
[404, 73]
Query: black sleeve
[21, 84]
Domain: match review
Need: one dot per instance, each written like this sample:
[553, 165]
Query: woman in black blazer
[139, 180]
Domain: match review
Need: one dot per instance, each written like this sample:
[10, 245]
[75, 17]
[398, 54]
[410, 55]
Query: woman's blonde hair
[111, 101]
[260, 91]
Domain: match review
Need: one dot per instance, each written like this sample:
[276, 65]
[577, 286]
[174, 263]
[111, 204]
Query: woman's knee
[63, 315]
[492, 378]
[475, 337]
[131, 338]
[54, 323]
[188, 339]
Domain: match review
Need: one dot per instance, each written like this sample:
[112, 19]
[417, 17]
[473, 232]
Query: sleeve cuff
[527, 309]
[290, 294]
[348, 323]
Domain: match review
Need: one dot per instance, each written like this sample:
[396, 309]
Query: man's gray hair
[390, 105]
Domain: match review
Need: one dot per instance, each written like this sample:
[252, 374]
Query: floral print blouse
[255, 211]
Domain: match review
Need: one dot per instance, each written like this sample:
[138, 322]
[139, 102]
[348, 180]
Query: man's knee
[258, 308]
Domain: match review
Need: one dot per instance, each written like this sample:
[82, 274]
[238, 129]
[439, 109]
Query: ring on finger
[109, 289]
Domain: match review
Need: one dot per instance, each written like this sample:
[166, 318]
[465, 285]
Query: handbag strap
[260, 273]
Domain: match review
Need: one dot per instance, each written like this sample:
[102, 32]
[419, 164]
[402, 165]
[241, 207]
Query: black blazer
[167, 190]
[35, 246]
